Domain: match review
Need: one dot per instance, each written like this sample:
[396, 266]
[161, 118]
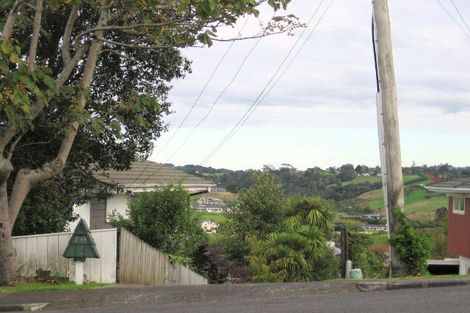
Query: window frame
[456, 210]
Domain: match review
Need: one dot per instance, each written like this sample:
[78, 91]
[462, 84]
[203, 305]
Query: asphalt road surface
[443, 300]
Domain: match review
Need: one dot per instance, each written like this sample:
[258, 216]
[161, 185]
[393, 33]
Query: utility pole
[389, 132]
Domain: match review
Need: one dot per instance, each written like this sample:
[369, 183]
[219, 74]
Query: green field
[377, 179]
[379, 239]
[216, 217]
[419, 204]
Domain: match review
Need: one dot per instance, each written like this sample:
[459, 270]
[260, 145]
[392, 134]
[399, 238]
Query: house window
[458, 205]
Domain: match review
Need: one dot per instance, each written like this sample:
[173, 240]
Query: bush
[412, 249]
[209, 261]
[370, 262]
[164, 219]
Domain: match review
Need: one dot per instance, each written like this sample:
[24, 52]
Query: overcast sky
[323, 110]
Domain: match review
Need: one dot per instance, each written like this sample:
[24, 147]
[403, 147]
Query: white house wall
[117, 204]
[82, 211]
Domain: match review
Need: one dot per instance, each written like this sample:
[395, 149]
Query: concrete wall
[45, 252]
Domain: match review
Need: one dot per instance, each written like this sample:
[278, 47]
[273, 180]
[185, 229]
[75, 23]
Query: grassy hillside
[205, 216]
[420, 204]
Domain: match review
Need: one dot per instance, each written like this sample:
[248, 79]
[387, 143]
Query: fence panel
[45, 252]
[139, 263]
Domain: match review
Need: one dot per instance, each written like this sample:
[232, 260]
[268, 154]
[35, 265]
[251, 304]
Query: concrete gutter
[410, 284]
[22, 307]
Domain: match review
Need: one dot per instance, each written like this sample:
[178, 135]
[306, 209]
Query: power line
[219, 96]
[204, 87]
[197, 100]
[292, 59]
[260, 96]
[460, 15]
[454, 19]
[204, 118]
[257, 101]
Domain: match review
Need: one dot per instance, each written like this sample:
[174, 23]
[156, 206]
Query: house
[209, 204]
[458, 241]
[142, 176]
[209, 226]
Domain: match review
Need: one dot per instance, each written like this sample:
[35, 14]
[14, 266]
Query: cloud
[331, 85]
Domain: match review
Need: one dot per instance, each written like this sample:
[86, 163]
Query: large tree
[91, 71]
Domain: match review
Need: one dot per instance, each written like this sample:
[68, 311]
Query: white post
[348, 268]
[79, 272]
[464, 265]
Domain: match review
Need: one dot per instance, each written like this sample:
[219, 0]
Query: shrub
[164, 219]
[412, 248]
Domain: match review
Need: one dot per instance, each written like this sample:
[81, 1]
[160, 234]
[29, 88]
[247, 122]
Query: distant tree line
[328, 183]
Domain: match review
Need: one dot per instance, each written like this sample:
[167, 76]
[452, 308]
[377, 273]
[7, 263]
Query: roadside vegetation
[45, 286]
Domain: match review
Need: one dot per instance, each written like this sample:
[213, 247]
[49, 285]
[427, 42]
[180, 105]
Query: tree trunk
[25, 179]
[7, 252]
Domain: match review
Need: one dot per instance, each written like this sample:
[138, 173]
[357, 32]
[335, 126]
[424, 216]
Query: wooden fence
[45, 252]
[139, 263]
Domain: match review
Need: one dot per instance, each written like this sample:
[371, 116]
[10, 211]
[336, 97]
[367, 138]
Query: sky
[322, 111]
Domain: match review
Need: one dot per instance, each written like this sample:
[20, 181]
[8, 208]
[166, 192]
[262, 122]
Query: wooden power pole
[389, 133]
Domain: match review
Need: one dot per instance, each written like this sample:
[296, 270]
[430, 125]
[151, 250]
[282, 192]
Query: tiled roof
[462, 183]
[148, 173]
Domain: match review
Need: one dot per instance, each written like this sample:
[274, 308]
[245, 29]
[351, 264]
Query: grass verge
[28, 287]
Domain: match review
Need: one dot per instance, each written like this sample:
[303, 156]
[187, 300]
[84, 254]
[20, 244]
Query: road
[429, 300]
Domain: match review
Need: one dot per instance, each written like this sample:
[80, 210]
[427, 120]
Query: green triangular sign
[81, 245]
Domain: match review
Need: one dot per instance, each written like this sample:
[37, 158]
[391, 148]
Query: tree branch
[70, 66]
[122, 55]
[126, 27]
[13, 146]
[68, 33]
[9, 133]
[137, 46]
[11, 19]
[26, 178]
[33, 47]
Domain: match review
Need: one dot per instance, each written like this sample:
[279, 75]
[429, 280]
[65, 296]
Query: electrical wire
[214, 71]
[460, 15]
[262, 95]
[454, 19]
[196, 101]
[204, 118]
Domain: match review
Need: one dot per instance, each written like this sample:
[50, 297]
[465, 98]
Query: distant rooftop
[461, 184]
[147, 174]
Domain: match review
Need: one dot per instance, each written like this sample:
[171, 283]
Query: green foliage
[163, 218]
[370, 262]
[210, 261]
[257, 211]
[314, 212]
[297, 252]
[412, 248]
[287, 256]
[19, 85]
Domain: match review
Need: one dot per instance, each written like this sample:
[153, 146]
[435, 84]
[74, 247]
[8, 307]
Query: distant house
[376, 217]
[209, 226]
[141, 177]
[458, 241]
[375, 227]
[209, 204]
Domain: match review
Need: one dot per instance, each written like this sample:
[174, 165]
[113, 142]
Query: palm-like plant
[314, 212]
[292, 252]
